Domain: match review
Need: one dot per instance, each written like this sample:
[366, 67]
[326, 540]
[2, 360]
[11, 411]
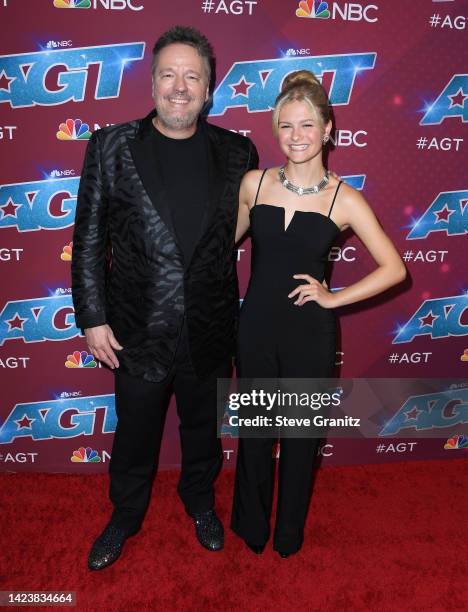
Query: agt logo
[80, 359]
[23, 76]
[6, 132]
[235, 7]
[85, 455]
[431, 411]
[10, 254]
[110, 5]
[254, 85]
[18, 457]
[349, 11]
[51, 203]
[39, 319]
[62, 418]
[438, 318]
[437, 20]
[451, 102]
[355, 180]
[73, 129]
[14, 362]
[448, 213]
[37, 205]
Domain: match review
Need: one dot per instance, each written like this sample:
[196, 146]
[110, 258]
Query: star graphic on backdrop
[5, 81]
[458, 99]
[241, 88]
[9, 209]
[16, 323]
[24, 422]
[428, 319]
[463, 203]
[443, 214]
[412, 414]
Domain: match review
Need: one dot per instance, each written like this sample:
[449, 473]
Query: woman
[287, 324]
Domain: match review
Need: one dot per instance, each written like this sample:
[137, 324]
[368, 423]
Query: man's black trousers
[141, 408]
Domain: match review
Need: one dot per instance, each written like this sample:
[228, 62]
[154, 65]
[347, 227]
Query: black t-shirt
[184, 169]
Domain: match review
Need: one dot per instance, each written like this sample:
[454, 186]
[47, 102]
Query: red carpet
[379, 538]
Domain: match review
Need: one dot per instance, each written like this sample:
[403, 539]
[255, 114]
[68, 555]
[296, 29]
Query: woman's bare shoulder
[251, 180]
[347, 195]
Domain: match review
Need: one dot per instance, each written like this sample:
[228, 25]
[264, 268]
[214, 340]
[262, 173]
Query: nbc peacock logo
[80, 359]
[456, 442]
[66, 254]
[85, 455]
[73, 129]
[69, 4]
[313, 9]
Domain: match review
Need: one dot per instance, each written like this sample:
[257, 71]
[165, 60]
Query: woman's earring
[325, 139]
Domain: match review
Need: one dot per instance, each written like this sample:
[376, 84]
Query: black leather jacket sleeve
[89, 262]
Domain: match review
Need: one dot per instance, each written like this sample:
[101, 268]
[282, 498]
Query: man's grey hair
[186, 35]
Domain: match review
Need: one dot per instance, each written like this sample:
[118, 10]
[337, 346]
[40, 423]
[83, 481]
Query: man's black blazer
[127, 267]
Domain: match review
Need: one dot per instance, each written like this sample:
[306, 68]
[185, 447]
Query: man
[159, 198]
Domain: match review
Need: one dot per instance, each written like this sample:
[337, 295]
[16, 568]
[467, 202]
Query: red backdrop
[396, 75]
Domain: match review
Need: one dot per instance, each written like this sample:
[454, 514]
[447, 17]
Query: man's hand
[101, 342]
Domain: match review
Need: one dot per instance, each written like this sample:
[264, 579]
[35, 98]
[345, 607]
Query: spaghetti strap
[259, 185]
[334, 198]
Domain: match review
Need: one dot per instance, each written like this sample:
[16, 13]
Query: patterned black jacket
[127, 268]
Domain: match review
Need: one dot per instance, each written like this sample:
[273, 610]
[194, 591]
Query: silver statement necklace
[302, 190]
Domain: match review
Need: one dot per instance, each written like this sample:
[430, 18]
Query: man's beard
[178, 122]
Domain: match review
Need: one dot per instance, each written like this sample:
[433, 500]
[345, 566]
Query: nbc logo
[456, 442]
[313, 9]
[66, 254]
[73, 129]
[112, 5]
[85, 455]
[80, 360]
[84, 4]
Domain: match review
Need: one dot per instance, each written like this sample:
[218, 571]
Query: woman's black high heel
[255, 548]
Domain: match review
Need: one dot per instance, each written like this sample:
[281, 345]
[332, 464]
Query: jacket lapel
[217, 150]
[147, 165]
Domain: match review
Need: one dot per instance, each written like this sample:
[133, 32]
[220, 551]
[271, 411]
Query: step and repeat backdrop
[397, 77]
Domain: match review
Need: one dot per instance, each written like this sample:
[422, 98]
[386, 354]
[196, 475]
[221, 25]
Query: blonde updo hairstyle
[303, 86]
